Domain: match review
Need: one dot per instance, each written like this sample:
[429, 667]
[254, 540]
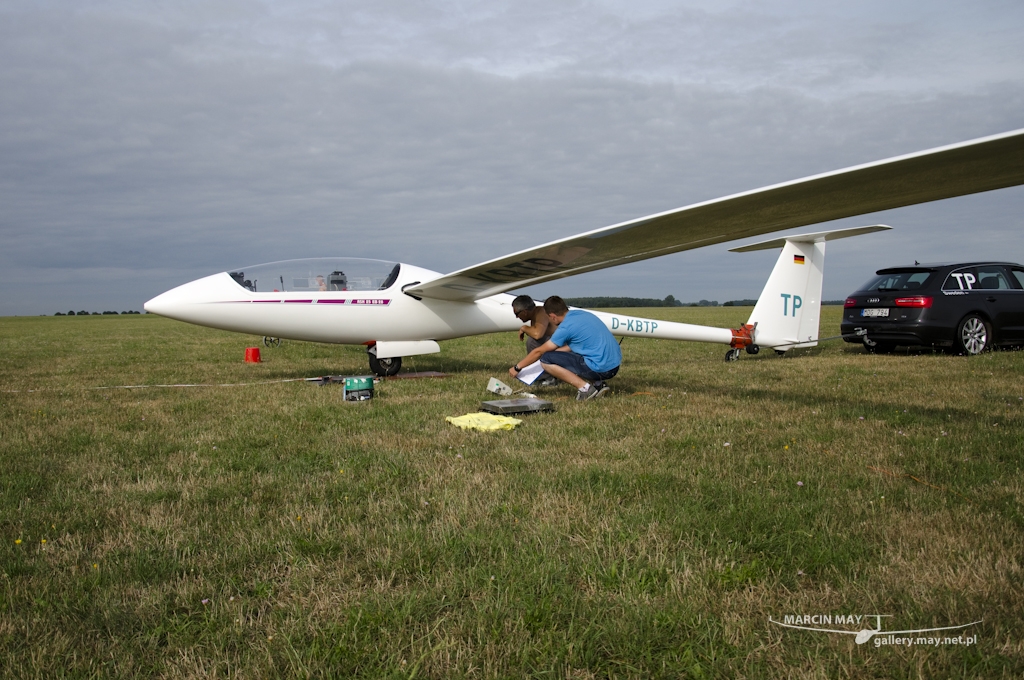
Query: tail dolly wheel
[742, 338]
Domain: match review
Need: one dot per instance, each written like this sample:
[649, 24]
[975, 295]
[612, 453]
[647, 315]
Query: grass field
[269, 529]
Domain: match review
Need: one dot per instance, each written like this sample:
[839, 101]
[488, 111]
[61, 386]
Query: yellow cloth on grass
[488, 422]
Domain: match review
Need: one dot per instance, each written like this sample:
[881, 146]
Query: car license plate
[875, 311]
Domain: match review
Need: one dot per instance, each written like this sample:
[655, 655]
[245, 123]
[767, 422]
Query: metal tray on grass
[505, 407]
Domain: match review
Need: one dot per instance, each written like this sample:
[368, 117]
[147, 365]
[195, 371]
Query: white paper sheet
[530, 373]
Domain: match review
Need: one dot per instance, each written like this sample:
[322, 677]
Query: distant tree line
[751, 303]
[85, 313]
[604, 301]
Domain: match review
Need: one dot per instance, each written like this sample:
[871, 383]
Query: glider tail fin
[788, 311]
[789, 308]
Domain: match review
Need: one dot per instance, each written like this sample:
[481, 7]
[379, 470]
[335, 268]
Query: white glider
[401, 310]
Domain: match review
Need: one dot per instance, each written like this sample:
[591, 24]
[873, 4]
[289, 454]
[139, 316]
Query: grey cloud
[142, 146]
[839, 46]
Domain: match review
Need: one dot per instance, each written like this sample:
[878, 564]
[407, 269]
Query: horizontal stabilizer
[815, 237]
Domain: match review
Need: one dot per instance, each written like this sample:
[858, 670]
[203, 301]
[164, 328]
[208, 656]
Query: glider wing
[969, 167]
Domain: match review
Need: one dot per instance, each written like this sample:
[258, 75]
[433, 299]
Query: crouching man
[537, 327]
[582, 352]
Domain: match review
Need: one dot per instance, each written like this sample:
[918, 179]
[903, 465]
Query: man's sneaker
[589, 393]
[602, 388]
[595, 390]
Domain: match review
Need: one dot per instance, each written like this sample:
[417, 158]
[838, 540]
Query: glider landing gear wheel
[732, 355]
[753, 349]
[271, 342]
[385, 367]
[973, 335]
[781, 352]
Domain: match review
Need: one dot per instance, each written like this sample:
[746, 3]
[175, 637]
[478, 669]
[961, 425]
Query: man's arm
[532, 357]
[537, 327]
[527, 329]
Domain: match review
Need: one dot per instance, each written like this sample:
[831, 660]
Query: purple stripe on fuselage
[331, 302]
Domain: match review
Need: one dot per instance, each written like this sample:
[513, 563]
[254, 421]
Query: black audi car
[969, 307]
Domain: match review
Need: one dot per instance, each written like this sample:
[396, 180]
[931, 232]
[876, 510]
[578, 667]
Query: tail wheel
[385, 367]
[973, 335]
[732, 355]
[271, 342]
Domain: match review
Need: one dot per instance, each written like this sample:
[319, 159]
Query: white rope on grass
[139, 387]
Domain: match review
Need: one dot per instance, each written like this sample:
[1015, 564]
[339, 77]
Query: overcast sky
[143, 145]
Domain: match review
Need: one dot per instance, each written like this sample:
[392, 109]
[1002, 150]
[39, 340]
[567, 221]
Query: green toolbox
[358, 388]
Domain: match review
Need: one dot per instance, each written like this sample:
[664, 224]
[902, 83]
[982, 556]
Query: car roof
[935, 266]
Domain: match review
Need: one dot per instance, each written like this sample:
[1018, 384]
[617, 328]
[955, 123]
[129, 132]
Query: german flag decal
[798, 259]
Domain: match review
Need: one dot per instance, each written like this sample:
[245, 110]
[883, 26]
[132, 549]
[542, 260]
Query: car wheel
[385, 367]
[973, 335]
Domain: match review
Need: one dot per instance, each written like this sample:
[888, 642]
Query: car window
[909, 280]
[1019, 275]
[961, 279]
[993, 277]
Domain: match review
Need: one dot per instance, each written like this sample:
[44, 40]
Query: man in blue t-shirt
[582, 352]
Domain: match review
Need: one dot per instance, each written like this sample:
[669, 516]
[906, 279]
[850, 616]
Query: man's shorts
[574, 363]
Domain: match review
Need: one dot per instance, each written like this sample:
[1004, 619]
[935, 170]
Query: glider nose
[162, 304]
[190, 301]
[175, 302]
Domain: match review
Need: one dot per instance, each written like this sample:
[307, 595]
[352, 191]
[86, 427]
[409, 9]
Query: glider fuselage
[363, 315]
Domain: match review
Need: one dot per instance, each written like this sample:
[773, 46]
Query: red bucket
[252, 355]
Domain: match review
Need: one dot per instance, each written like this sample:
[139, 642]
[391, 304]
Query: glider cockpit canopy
[318, 274]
